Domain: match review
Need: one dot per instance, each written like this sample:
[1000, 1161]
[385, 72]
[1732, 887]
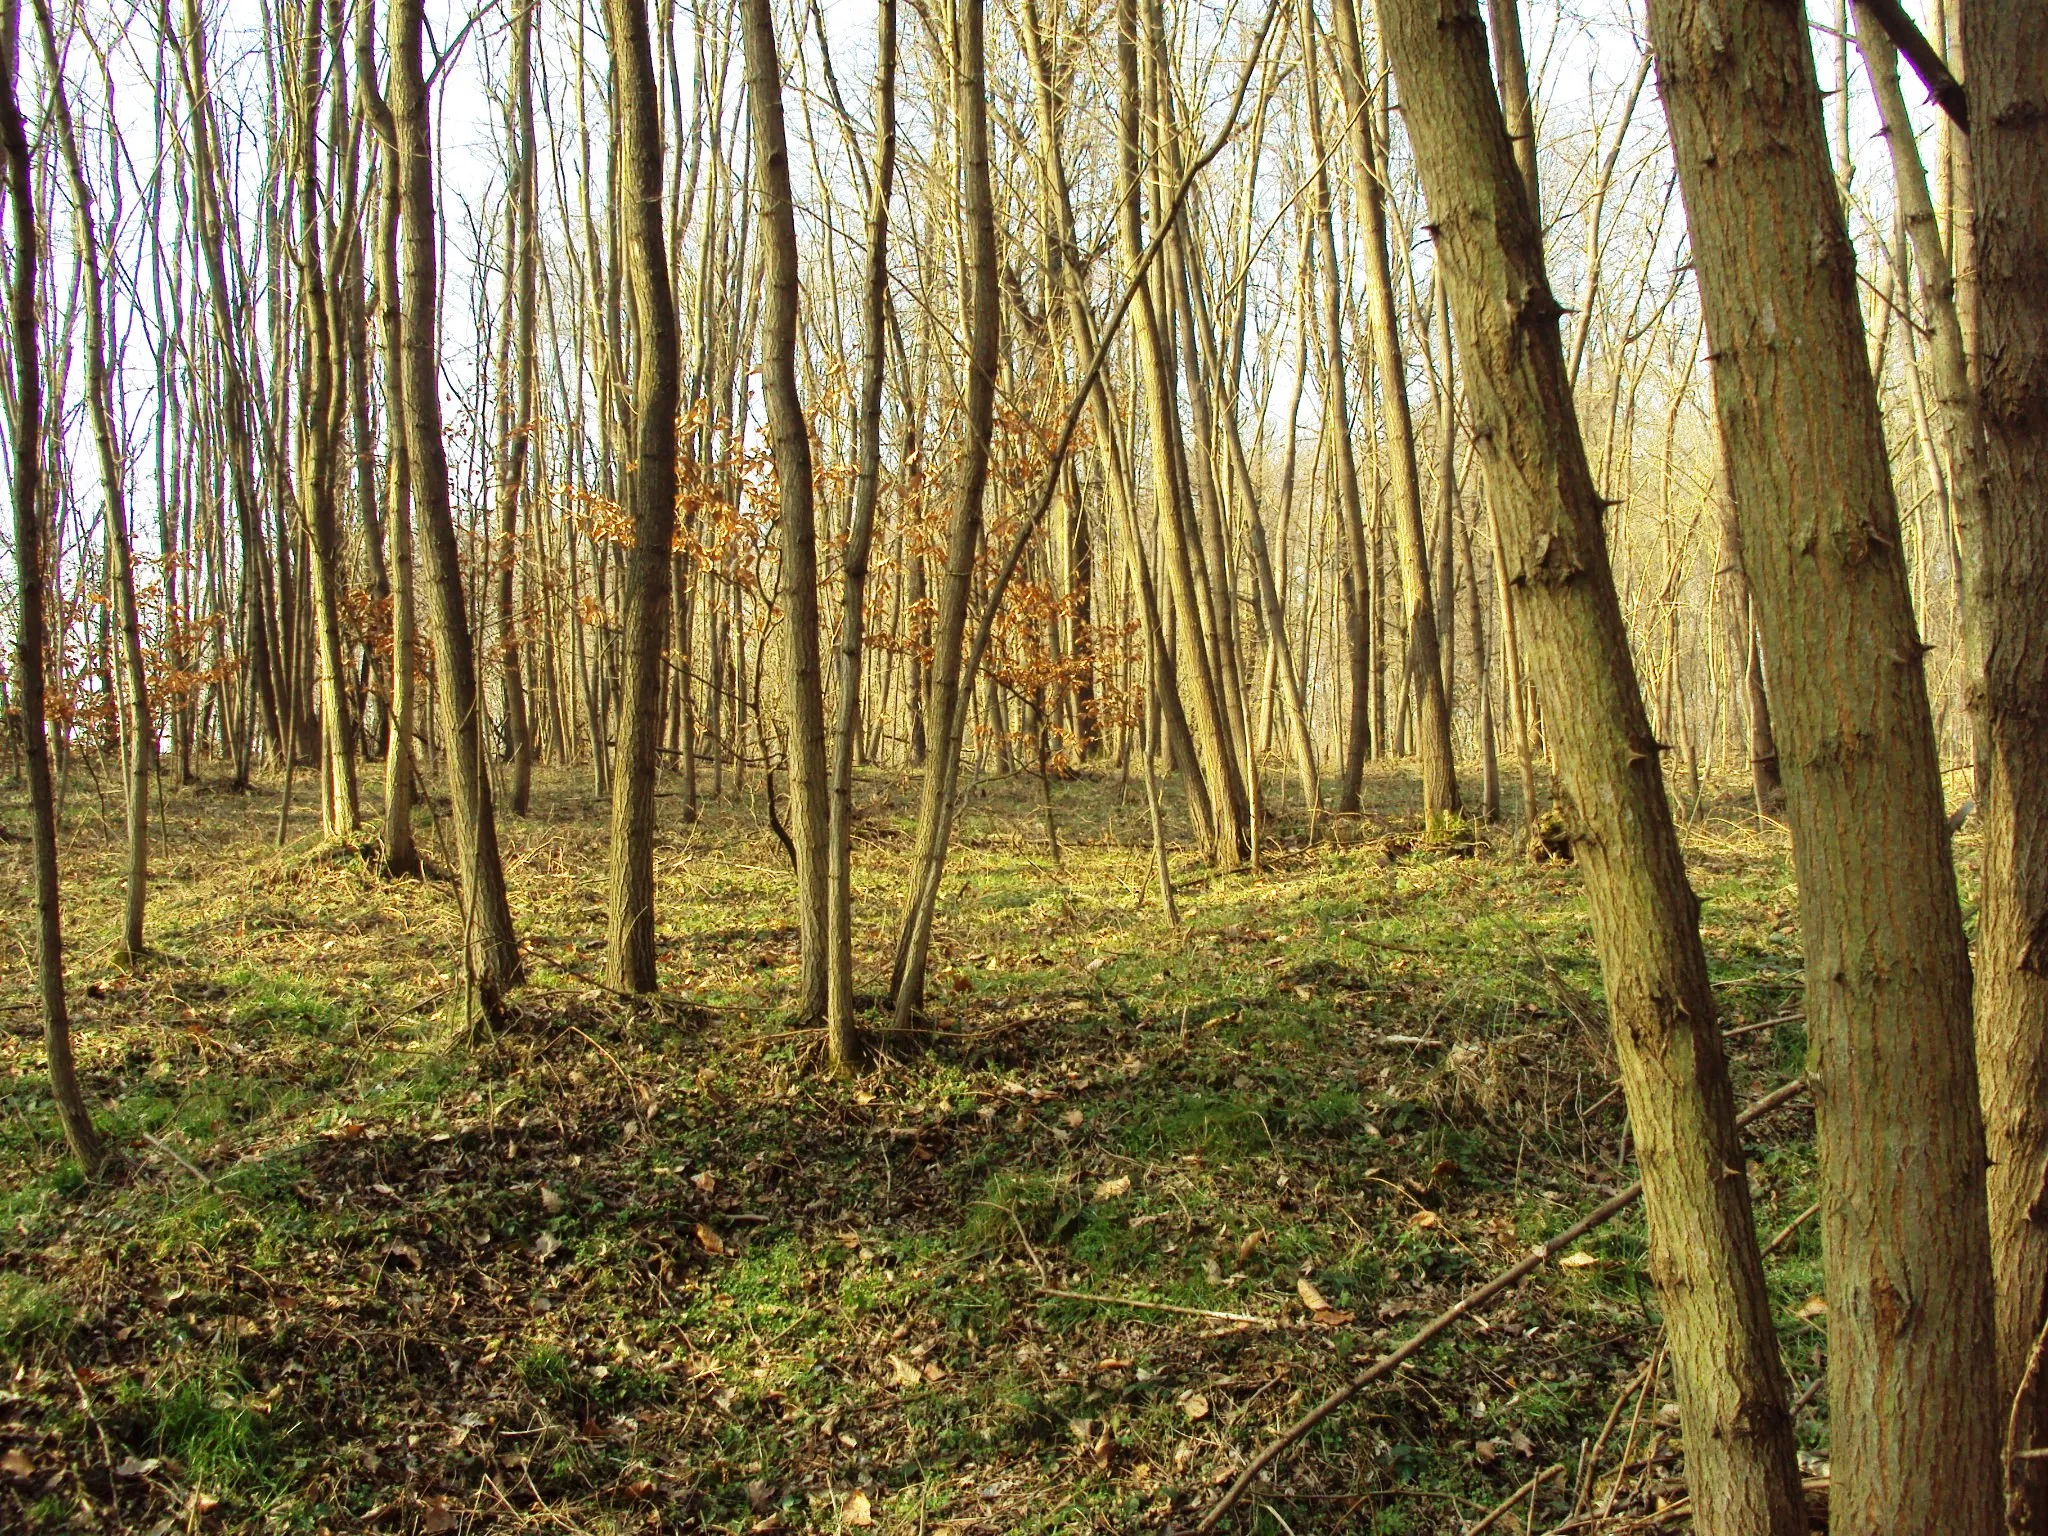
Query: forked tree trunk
[1913, 1431]
[400, 855]
[1740, 1460]
[2008, 85]
[26, 398]
[487, 918]
[650, 493]
[809, 809]
[843, 1037]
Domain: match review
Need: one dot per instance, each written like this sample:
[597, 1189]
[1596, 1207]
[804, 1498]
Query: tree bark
[842, 1035]
[650, 493]
[493, 946]
[26, 399]
[2008, 85]
[809, 796]
[114, 487]
[1914, 1433]
[1424, 669]
[1740, 1460]
[516, 411]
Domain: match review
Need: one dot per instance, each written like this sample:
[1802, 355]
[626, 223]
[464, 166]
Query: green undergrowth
[626, 1265]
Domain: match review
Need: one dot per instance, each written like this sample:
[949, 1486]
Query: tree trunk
[809, 797]
[1913, 1432]
[2008, 85]
[516, 411]
[493, 947]
[26, 398]
[984, 337]
[843, 1038]
[114, 487]
[1424, 669]
[1740, 1461]
[650, 493]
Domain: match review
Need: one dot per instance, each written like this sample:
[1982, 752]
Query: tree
[797, 593]
[114, 488]
[651, 494]
[2008, 84]
[1740, 1460]
[1913, 1433]
[25, 399]
[493, 947]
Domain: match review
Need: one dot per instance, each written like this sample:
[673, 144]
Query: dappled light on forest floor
[1062, 1262]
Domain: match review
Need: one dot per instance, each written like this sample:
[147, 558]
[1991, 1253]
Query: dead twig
[1491, 1518]
[1160, 1306]
[1473, 1301]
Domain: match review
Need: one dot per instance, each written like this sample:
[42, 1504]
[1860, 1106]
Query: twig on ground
[1160, 1306]
[1487, 1521]
[1475, 1300]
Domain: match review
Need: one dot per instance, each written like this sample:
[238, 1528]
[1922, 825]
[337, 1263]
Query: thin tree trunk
[516, 408]
[650, 492]
[1913, 1432]
[493, 947]
[26, 399]
[984, 338]
[114, 487]
[1424, 669]
[809, 796]
[843, 1038]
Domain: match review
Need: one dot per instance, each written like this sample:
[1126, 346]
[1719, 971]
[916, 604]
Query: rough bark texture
[2008, 86]
[1740, 1462]
[493, 948]
[651, 495]
[1914, 1433]
[26, 397]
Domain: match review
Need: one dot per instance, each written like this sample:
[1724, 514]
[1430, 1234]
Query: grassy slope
[637, 1265]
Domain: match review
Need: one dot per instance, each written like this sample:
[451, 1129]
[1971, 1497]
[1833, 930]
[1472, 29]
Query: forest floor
[632, 1265]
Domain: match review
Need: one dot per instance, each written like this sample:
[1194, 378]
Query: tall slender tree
[25, 400]
[1913, 1432]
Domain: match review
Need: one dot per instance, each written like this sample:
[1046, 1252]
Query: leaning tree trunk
[99, 396]
[809, 812]
[1913, 1431]
[1740, 1459]
[26, 398]
[651, 495]
[2008, 85]
[493, 947]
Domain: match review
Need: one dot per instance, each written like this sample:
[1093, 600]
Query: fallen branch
[1473, 1301]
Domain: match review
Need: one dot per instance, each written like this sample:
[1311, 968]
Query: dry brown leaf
[1195, 1406]
[16, 1464]
[1577, 1259]
[1813, 1307]
[857, 1510]
[707, 1181]
[1109, 1189]
[1311, 1298]
[1249, 1243]
[709, 1240]
[550, 1202]
[903, 1373]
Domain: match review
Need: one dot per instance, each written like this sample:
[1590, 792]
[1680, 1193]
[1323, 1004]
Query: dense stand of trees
[1246, 393]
